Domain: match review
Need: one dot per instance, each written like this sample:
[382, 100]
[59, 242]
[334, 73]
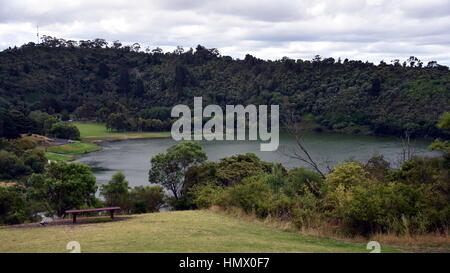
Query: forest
[133, 89]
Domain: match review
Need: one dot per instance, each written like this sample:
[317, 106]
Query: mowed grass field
[98, 131]
[178, 231]
[74, 148]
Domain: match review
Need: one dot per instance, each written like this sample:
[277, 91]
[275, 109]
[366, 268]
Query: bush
[14, 208]
[65, 130]
[308, 211]
[253, 195]
[394, 207]
[147, 199]
[348, 174]
[207, 195]
[301, 181]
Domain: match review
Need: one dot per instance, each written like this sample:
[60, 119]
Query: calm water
[132, 157]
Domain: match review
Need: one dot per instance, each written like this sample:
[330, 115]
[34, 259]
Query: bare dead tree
[300, 152]
[408, 150]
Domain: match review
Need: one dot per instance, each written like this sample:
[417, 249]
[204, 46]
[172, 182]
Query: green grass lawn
[179, 231]
[59, 157]
[74, 148]
[98, 131]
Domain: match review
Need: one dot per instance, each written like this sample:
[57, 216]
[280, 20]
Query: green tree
[116, 191]
[118, 121]
[42, 121]
[65, 130]
[169, 169]
[14, 208]
[64, 186]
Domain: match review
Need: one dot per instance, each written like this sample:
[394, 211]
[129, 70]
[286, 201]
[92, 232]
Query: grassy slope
[98, 131]
[180, 231]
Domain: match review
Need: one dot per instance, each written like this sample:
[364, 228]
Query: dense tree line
[121, 85]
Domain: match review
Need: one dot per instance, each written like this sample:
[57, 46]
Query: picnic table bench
[74, 212]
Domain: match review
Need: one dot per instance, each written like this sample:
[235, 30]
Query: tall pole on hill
[37, 34]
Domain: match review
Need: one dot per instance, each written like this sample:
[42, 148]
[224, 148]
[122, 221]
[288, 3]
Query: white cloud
[370, 30]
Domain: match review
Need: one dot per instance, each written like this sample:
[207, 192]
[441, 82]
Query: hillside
[91, 80]
[180, 231]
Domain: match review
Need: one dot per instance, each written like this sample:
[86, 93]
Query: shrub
[348, 174]
[147, 199]
[301, 181]
[207, 195]
[253, 195]
[394, 207]
[307, 212]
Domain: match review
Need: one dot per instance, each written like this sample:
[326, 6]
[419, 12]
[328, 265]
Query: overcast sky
[370, 30]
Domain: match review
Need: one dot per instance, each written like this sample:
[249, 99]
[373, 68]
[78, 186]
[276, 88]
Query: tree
[103, 71]
[118, 121]
[300, 152]
[169, 169]
[116, 191]
[124, 81]
[42, 121]
[65, 130]
[64, 186]
[444, 125]
[157, 112]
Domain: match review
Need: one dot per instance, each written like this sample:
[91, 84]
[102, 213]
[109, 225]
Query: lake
[132, 157]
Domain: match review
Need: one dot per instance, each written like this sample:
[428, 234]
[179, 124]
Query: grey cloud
[371, 30]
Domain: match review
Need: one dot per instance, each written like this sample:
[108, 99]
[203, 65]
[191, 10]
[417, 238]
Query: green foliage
[302, 181]
[252, 195]
[157, 112]
[360, 199]
[206, 195]
[65, 130]
[349, 96]
[147, 199]
[118, 122]
[232, 170]
[347, 174]
[63, 186]
[42, 121]
[19, 159]
[11, 165]
[169, 169]
[13, 123]
[116, 192]
[444, 121]
[377, 168]
[14, 208]
[394, 207]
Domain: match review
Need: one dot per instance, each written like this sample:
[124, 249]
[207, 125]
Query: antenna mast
[37, 33]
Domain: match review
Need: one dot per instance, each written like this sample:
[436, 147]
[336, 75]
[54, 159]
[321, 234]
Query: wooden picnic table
[74, 212]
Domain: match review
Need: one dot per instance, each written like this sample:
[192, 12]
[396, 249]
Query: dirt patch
[81, 221]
